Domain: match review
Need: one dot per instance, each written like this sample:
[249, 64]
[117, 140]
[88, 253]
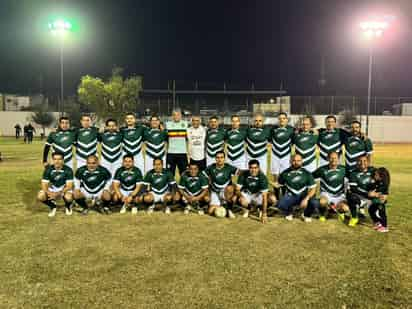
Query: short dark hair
[63, 118]
[356, 121]
[253, 162]
[93, 156]
[220, 152]
[234, 116]
[85, 115]
[154, 116]
[332, 152]
[130, 114]
[331, 117]
[194, 164]
[57, 153]
[128, 155]
[157, 159]
[214, 117]
[110, 120]
[283, 113]
[384, 174]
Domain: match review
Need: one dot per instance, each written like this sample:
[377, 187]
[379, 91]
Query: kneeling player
[127, 183]
[57, 182]
[161, 187]
[253, 188]
[92, 182]
[193, 188]
[332, 187]
[220, 177]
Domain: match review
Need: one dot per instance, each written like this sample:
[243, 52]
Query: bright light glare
[60, 26]
[374, 29]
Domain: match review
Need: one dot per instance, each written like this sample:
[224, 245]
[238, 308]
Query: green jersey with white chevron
[296, 181]
[355, 147]
[305, 145]
[111, 145]
[257, 141]
[132, 139]
[332, 181]
[128, 178]
[57, 178]
[159, 182]
[215, 141]
[360, 181]
[86, 142]
[252, 184]
[235, 143]
[93, 181]
[62, 141]
[155, 140]
[193, 185]
[329, 141]
[281, 138]
[220, 177]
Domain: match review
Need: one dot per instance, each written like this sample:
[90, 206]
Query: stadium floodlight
[372, 30]
[60, 27]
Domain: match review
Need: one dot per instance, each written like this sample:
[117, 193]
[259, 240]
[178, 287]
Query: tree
[43, 118]
[111, 98]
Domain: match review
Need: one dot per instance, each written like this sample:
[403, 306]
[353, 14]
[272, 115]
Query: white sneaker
[69, 211]
[134, 210]
[150, 210]
[306, 219]
[289, 217]
[245, 214]
[52, 212]
[123, 209]
[187, 210]
[231, 214]
[167, 210]
[201, 212]
[260, 214]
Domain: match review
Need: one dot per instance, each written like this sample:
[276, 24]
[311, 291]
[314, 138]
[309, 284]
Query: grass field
[197, 262]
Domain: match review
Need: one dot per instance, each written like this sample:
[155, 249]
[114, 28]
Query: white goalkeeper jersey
[196, 138]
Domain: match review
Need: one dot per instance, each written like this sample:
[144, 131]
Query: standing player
[220, 179]
[86, 140]
[257, 141]
[330, 140]
[155, 139]
[62, 141]
[161, 187]
[235, 145]
[92, 181]
[111, 141]
[127, 183]
[177, 143]
[305, 142]
[133, 139]
[57, 183]
[215, 140]
[252, 187]
[356, 145]
[332, 187]
[193, 188]
[196, 136]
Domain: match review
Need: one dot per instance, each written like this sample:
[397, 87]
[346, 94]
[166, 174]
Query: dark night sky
[237, 42]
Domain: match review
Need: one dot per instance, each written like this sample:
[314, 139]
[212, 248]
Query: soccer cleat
[187, 210]
[201, 212]
[134, 210]
[245, 214]
[353, 222]
[322, 219]
[289, 217]
[376, 226]
[52, 212]
[69, 211]
[383, 229]
[341, 217]
[123, 209]
[106, 210]
[231, 214]
[306, 219]
[167, 210]
[150, 210]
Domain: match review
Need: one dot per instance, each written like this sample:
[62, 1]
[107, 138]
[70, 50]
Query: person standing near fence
[177, 143]
[17, 127]
[196, 136]
[30, 133]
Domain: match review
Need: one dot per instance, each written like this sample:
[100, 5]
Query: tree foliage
[43, 118]
[110, 98]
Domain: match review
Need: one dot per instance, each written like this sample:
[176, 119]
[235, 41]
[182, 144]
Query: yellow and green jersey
[177, 134]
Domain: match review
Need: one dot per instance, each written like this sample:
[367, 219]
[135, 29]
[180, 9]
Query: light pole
[59, 28]
[372, 31]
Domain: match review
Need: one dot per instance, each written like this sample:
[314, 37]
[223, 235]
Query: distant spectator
[25, 129]
[30, 132]
[17, 127]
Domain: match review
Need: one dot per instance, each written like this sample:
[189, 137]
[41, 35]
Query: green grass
[197, 262]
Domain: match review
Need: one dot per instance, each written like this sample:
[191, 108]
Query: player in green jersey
[193, 188]
[305, 141]
[61, 141]
[92, 182]
[378, 193]
[300, 190]
[161, 187]
[133, 140]
[86, 140]
[215, 140]
[127, 183]
[332, 187]
[235, 144]
[57, 182]
[222, 191]
[111, 141]
[257, 140]
[330, 140]
[356, 146]
[281, 139]
[155, 138]
[252, 190]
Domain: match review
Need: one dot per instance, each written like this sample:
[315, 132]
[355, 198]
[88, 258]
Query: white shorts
[256, 198]
[148, 164]
[80, 162]
[263, 162]
[239, 163]
[311, 167]
[112, 167]
[216, 198]
[278, 165]
[125, 192]
[56, 190]
[158, 198]
[333, 199]
[88, 195]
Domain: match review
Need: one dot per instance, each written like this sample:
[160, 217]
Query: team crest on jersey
[304, 139]
[328, 136]
[281, 133]
[296, 178]
[155, 135]
[158, 180]
[353, 144]
[111, 138]
[333, 177]
[212, 135]
[233, 136]
[220, 174]
[128, 178]
[130, 132]
[256, 133]
[86, 133]
[92, 178]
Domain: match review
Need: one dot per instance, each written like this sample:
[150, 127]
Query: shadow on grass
[28, 189]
